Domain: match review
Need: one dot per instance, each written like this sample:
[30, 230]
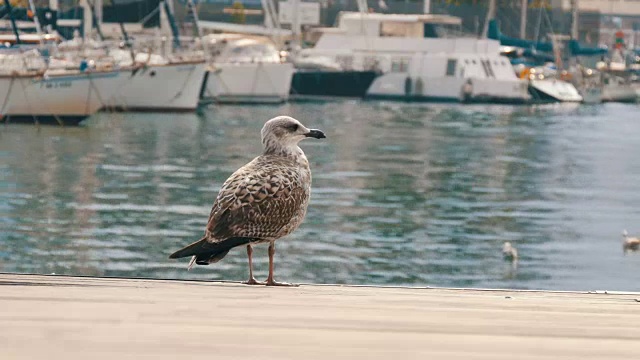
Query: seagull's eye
[293, 127]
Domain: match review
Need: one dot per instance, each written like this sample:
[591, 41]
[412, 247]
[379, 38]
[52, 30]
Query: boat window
[399, 65]
[400, 29]
[451, 67]
[249, 52]
[486, 66]
[466, 61]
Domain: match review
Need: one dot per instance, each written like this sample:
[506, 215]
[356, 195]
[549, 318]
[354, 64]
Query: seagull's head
[286, 132]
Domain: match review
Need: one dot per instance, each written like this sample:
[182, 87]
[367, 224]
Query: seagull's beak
[315, 133]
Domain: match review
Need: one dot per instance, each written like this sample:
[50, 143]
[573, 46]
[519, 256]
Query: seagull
[630, 243]
[262, 201]
[509, 252]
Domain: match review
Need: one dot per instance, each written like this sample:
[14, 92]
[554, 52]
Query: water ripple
[403, 194]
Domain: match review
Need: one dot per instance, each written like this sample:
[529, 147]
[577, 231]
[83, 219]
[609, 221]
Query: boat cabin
[391, 25]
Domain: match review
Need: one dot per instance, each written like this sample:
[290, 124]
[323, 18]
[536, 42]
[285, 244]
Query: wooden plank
[59, 317]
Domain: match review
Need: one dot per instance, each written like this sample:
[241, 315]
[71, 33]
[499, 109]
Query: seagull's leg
[252, 280]
[270, 281]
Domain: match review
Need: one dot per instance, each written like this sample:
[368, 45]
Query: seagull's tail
[204, 252]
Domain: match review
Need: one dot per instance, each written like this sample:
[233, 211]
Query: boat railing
[92, 55]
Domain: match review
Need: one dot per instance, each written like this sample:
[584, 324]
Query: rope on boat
[26, 99]
[6, 99]
[101, 100]
[87, 101]
[217, 71]
[255, 79]
[184, 84]
[270, 79]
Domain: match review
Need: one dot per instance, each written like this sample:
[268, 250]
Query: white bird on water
[630, 243]
[262, 201]
[509, 252]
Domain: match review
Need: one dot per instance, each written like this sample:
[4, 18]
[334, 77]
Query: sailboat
[421, 57]
[32, 91]
[160, 83]
[545, 83]
[245, 66]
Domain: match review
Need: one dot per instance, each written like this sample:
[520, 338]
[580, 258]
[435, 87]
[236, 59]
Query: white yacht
[36, 94]
[245, 69]
[156, 78]
[546, 85]
[421, 58]
[618, 88]
[161, 86]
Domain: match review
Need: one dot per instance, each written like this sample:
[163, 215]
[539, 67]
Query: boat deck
[60, 317]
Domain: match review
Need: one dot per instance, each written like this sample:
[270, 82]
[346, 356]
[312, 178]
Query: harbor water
[403, 194]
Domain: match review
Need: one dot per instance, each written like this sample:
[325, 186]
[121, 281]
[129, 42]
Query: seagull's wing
[258, 200]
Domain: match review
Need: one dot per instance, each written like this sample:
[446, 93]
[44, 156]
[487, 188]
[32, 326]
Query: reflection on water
[403, 194]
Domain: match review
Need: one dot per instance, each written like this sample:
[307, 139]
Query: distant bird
[509, 252]
[262, 201]
[630, 243]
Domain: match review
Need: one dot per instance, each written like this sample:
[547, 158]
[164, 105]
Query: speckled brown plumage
[262, 201]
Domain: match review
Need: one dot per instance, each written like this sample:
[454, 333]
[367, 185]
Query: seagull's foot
[253, 281]
[271, 282]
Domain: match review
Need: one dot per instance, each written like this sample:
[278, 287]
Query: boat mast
[95, 19]
[86, 19]
[574, 19]
[271, 20]
[127, 41]
[53, 6]
[172, 22]
[196, 21]
[523, 19]
[35, 19]
[14, 27]
[295, 23]
[491, 14]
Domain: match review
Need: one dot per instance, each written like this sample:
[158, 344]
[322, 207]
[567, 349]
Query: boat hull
[553, 90]
[56, 98]
[65, 120]
[624, 93]
[319, 84]
[171, 87]
[401, 86]
[248, 83]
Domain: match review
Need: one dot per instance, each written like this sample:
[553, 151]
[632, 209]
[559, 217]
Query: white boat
[418, 61]
[56, 96]
[546, 85]
[636, 87]
[616, 80]
[154, 82]
[591, 94]
[161, 87]
[618, 89]
[246, 69]
[551, 89]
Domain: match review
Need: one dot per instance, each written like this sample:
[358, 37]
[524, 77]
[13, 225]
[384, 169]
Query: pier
[62, 317]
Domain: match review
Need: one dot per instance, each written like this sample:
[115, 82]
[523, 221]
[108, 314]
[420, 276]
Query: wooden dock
[60, 317]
